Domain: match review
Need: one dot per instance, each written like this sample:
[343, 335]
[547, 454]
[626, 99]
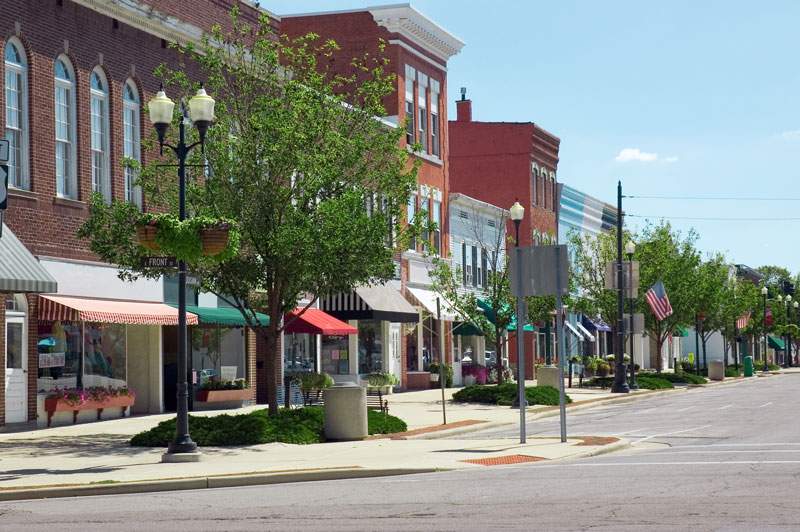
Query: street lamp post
[795, 304]
[201, 112]
[516, 212]
[620, 384]
[764, 293]
[630, 249]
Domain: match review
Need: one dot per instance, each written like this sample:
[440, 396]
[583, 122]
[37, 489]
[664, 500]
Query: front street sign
[159, 262]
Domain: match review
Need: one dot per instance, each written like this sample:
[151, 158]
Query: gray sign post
[542, 271]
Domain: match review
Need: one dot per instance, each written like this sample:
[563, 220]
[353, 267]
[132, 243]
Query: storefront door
[16, 369]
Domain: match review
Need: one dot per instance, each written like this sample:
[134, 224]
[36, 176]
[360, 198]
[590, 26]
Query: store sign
[51, 360]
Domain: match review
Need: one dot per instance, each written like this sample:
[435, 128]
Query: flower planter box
[221, 396]
[54, 404]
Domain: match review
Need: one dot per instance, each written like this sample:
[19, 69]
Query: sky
[678, 98]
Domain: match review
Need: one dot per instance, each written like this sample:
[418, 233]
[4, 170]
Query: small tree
[711, 292]
[297, 159]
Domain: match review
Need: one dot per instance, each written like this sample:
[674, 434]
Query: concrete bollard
[716, 370]
[345, 412]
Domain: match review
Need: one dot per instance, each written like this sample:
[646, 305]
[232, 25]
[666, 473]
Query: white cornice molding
[145, 18]
[417, 28]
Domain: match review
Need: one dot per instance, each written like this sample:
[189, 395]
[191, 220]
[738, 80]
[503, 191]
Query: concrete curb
[222, 481]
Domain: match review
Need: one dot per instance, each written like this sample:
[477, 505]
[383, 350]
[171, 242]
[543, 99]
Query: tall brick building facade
[504, 162]
[418, 51]
[77, 75]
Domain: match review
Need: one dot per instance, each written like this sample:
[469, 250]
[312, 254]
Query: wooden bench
[375, 401]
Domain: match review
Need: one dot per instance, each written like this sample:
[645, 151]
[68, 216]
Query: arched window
[101, 180]
[534, 179]
[16, 92]
[66, 154]
[131, 141]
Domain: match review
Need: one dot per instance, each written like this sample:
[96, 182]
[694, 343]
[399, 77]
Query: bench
[375, 401]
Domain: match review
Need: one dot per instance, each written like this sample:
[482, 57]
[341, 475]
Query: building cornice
[415, 27]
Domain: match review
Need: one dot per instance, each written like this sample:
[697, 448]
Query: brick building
[418, 51]
[77, 75]
[503, 162]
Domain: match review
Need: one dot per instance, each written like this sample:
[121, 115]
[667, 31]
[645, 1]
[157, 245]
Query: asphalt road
[718, 458]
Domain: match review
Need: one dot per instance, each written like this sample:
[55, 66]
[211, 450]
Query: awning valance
[316, 321]
[597, 324]
[73, 308]
[374, 302]
[427, 298]
[226, 316]
[573, 330]
[776, 343]
[589, 336]
[19, 270]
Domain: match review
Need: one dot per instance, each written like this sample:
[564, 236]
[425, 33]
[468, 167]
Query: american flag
[659, 301]
[743, 320]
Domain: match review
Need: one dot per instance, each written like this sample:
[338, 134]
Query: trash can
[716, 370]
[345, 412]
[748, 366]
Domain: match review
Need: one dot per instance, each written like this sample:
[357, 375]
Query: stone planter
[54, 404]
[434, 377]
[214, 239]
[469, 380]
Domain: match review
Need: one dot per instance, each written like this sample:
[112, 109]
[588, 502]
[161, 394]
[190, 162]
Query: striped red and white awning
[72, 308]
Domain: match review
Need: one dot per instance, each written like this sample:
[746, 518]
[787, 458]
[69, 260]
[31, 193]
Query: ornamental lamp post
[764, 292]
[516, 213]
[630, 249]
[201, 114]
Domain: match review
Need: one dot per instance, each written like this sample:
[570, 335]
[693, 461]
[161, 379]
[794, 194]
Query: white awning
[589, 336]
[573, 330]
[427, 299]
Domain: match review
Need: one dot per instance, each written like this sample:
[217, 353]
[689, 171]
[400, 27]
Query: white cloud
[635, 154]
[791, 135]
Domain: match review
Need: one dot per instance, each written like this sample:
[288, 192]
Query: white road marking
[734, 445]
[626, 433]
[623, 464]
[674, 451]
[668, 434]
[765, 404]
[724, 407]
[685, 409]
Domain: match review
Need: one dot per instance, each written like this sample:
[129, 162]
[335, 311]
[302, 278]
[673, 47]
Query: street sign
[4, 145]
[638, 323]
[541, 268]
[3, 187]
[159, 262]
[631, 292]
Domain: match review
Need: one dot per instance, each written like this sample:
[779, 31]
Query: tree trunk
[270, 336]
[705, 360]
[498, 346]
[659, 346]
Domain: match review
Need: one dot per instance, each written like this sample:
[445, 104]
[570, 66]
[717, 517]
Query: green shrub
[687, 378]
[504, 394]
[599, 382]
[448, 371]
[653, 383]
[379, 380]
[380, 423]
[732, 371]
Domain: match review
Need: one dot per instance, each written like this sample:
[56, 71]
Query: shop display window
[335, 357]
[370, 347]
[218, 353]
[300, 353]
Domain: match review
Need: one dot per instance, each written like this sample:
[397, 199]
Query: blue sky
[702, 96]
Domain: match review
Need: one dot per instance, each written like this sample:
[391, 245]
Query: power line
[712, 198]
[714, 219]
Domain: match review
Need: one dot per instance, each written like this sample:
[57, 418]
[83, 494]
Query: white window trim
[72, 105]
[24, 160]
[105, 186]
[133, 193]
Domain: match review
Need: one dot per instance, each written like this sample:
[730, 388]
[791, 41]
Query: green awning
[226, 316]
[491, 316]
[776, 343]
[464, 328]
[681, 331]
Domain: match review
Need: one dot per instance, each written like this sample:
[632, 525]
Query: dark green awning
[229, 317]
[776, 343]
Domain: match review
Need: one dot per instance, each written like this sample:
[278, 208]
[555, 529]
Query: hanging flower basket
[146, 235]
[215, 238]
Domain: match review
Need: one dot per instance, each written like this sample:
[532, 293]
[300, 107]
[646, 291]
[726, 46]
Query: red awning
[70, 308]
[316, 321]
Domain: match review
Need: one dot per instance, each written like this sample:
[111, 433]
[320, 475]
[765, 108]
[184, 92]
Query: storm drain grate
[505, 460]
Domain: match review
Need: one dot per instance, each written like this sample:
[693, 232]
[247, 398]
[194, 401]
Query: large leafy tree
[668, 256]
[313, 182]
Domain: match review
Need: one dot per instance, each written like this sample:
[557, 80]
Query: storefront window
[335, 357]
[411, 349]
[59, 351]
[218, 353]
[104, 355]
[430, 342]
[299, 353]
[370, 346]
